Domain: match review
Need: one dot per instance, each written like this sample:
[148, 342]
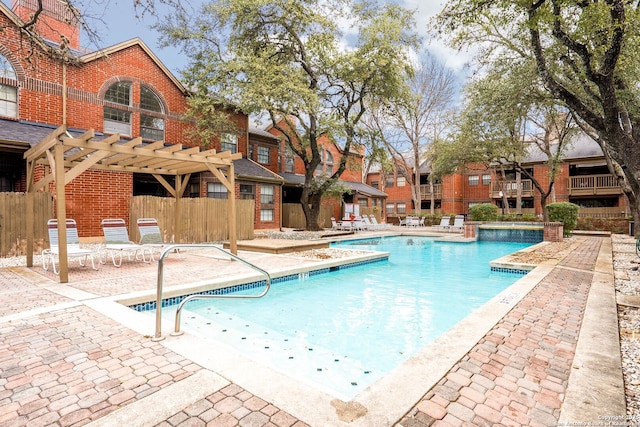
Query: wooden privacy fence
[293, 216]
[204, 219]
[13, 222]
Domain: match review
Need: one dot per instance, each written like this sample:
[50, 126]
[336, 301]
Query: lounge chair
[376, 224]
[458, 223]
[117, 242]
[73, 246]
[151, 236]
[412, 221]
[335, 225]
[444, 223]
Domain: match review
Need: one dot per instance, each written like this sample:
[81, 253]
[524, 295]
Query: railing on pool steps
[158, 334]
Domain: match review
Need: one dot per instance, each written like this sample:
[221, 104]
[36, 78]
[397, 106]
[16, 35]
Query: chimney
[55, 23]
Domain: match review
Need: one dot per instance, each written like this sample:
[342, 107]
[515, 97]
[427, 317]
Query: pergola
[68, 157]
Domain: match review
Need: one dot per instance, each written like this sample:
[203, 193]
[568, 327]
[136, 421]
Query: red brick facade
[40, 80]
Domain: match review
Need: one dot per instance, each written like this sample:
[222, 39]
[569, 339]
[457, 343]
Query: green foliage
[285, 60]
[566, 213]
[483, 212]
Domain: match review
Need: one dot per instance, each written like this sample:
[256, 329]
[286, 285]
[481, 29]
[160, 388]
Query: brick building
[583, 179]
[122, 89]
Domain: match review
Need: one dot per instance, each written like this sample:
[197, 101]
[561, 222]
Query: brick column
[553, 231]
[471, 229]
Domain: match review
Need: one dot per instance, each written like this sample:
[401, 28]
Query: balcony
[425, 192]
[590, 185]
[510, 188]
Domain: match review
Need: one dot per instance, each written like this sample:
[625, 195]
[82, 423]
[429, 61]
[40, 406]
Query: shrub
[483, 212]
[613, 225]
[566, 213]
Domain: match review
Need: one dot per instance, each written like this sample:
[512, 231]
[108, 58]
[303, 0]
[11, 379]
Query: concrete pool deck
[544, 351]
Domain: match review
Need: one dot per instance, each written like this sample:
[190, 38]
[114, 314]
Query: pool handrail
[158, 333]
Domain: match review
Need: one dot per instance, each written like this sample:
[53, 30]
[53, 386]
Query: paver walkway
[64, 364]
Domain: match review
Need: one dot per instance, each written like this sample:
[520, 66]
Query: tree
[286, 58]
[585, 54]
[510, 116]
[407, 125]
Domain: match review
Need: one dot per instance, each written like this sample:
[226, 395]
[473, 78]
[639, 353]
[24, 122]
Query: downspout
[64, 92]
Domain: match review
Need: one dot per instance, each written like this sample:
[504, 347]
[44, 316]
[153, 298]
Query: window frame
[264, 155]
[217, 194]
[117, 107]
[229, 142]
[473, 180]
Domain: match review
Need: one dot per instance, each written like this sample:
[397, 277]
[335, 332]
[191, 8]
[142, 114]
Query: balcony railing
[510, 188]
[586, 185]
[425, 191]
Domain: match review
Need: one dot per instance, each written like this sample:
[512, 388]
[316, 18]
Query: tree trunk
[433, 198]
[311, 209]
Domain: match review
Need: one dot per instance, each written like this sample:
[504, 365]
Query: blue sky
[115, 21]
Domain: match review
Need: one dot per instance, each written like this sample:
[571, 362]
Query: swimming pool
[343, 330]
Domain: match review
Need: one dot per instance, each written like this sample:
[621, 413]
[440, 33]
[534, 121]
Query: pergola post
[231, 209]
[30, 214]
[61, 212]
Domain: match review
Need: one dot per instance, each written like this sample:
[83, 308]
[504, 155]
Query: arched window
[325, 167]
[8, 89]
[117, 114]
[151, 116]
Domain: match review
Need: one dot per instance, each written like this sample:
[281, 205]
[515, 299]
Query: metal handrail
[158, 334]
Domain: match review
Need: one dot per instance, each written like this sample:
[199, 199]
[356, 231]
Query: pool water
[343, 330]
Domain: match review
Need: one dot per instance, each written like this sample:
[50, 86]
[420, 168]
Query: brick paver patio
[62, 363]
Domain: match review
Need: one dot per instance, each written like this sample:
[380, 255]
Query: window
[388, 182]
[266, 215]
[401, 207]
[389, 208]
[288, 163]
[8, 92]
[266, 195]
[374, 184]
[247, 192]
[363, 203]
[473, 179]
[267, 198]
[118, 120]
[401, 181]
[215, 190]
[151, 126]
[250, 155]
[486, 179]
[263, 155]
[328, 162]
[229, 142]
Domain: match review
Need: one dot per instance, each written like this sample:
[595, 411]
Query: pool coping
[390, 398]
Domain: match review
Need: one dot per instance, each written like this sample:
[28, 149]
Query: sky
[120, 24]
[115, 21]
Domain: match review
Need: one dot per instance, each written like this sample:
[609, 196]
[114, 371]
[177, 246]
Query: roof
[581, 146]
[20, 132]
[102, 53]
[245, 168]
[262, 133]
[357, 187]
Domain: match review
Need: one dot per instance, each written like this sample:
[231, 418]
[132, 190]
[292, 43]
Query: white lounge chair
[378, 225]
[151, 236]
[336, 225]
[117, 242]
[458, 223]
[444, 223]
[73, 246]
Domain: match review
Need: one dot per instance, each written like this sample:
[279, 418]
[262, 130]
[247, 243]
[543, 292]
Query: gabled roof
[297, 180]
[102, 53]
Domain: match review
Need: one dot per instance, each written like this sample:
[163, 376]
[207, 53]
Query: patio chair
[73, 246]
[444, 223]
[335, 225]
[378, 225]
[117, 242]
[458, 223]
[151, 236]
[367, 224]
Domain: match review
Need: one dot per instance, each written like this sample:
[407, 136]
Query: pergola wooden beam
[68, 157]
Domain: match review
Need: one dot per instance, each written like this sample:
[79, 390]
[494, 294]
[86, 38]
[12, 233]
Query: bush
[566, 213]
[483, 212]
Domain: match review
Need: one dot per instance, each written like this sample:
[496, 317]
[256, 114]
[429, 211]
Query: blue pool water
[343, 330]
